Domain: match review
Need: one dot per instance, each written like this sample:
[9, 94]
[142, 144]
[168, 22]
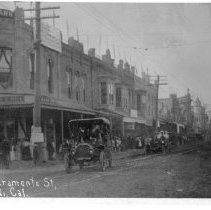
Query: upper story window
[103, 88]
[69, 81]
[5, 64]
[138, 102]
[143, 99]
[32, 69]
[50, 75]
[118, 97]
[77, 86]
[130, 97]
[111, 93]
[83, 86]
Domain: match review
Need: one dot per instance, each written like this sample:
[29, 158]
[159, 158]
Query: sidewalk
[28, 165]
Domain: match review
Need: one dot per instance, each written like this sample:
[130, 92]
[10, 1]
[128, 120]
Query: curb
[48, 164]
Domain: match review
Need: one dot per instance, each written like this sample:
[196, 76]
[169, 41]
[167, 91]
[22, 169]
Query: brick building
[73, 85]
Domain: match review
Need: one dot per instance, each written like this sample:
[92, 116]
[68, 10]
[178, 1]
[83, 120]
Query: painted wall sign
[6, 13]
[11, 99]
[51, 37]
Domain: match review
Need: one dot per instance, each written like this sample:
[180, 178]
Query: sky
[173, 40]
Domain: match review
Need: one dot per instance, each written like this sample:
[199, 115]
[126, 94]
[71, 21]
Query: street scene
[101, 100]
[183, 174]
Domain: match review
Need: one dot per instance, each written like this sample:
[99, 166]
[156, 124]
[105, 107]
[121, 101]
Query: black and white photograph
[105, 100]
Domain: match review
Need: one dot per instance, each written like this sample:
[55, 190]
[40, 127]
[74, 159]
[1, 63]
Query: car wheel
[102, 161]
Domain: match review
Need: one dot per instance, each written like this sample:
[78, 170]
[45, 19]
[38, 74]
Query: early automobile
[89, 143]
[160, 142]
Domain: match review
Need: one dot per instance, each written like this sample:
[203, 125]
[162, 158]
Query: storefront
[135, 127]
[16, 121]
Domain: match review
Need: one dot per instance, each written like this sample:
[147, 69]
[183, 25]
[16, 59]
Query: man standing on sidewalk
[5, 147]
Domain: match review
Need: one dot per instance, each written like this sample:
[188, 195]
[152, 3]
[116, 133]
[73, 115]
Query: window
[83, 86]
[77, 86]
[143, 98]
[138, 102]
[69, 81]
[5, 64]
[103, 93]
[32, 69]
[111, 94]
[50, 75]
[130, 98]
[125, 96]
[118, 97]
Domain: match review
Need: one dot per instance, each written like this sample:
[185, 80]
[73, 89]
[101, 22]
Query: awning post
[62, 126]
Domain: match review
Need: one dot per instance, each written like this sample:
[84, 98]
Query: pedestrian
[5, 146]
[35, 154]
[50, 149]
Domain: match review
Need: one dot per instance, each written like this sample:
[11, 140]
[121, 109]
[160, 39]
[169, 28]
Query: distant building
[175, 110]
[201, 118]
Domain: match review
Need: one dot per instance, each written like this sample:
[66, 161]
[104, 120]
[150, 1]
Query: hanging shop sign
[6, 13]
[18, 99]
[47, 100]
[133, 113]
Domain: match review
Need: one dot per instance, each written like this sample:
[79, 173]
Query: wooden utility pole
[36, 135]
[157, 84]
[37, 105]
[156, 102]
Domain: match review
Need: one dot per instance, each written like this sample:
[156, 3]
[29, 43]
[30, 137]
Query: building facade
[201, 118]
[73, 85]
[176, 110]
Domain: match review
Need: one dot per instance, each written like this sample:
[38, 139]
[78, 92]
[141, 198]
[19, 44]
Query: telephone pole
[36, 132]
[157, 85]
[37, 107]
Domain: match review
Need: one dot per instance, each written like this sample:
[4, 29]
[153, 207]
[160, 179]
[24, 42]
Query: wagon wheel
[102, 161]
[68, 163]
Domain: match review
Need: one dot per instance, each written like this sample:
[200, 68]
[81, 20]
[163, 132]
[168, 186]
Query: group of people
[117, 144]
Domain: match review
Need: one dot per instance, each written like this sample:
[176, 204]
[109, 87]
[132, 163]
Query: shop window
[103, 92]
[111, 94]
[118, 97]
[69, 81]
[32, 69]
[50, 75]
[5, 65]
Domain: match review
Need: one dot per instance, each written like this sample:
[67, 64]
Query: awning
[21, 106]
[69, 109]
[110, 113]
